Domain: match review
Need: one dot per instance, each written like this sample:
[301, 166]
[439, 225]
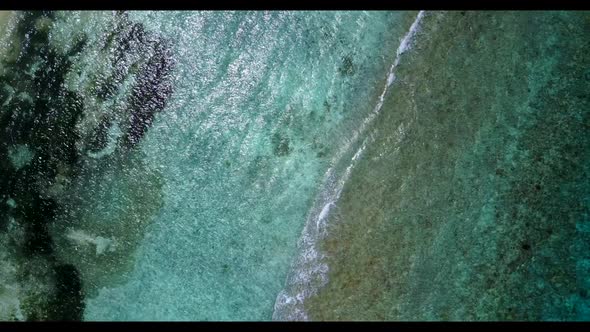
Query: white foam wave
[309, 272]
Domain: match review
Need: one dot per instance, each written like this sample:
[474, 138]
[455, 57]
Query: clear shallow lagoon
[294, 165]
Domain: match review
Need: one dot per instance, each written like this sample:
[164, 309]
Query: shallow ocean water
[294, 165]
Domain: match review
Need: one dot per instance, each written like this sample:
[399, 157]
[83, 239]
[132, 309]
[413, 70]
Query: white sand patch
[101, 243]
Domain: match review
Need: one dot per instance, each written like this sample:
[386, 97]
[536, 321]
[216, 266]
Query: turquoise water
[260, 108]
[199, 219]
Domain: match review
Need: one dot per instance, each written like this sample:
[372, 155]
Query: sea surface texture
[183, 166]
